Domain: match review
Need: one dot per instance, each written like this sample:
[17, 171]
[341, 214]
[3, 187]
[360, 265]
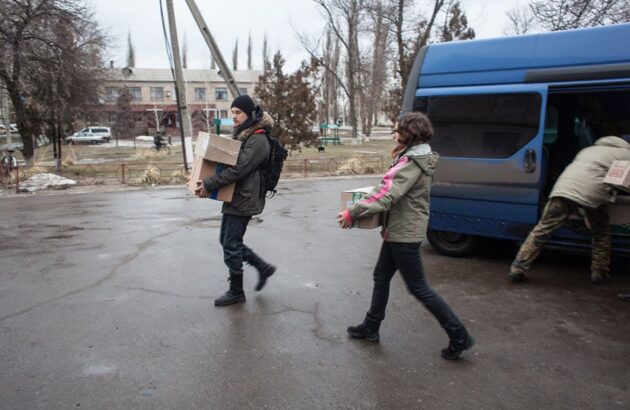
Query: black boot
[263, 275]
[235, 294]
[265, 270]
[457, 344]
[367, 330]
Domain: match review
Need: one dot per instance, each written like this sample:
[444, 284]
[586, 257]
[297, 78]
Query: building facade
[153, 99]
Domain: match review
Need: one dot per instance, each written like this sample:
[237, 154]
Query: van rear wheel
[453, 243]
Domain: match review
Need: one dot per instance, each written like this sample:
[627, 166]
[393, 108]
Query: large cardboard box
[217, 148]
[618, 175]
[348, 198]
[203, 168]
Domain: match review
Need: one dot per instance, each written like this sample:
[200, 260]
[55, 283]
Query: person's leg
[554, 214]
[408, 259]
[233, 229]
[265, 269]
[383, 273]
[600, 244]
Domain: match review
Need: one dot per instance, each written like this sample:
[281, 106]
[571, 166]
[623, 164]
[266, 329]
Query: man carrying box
[251, 126]
[581, 188]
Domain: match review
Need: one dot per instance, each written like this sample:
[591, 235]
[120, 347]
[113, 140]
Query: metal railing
[173, 173]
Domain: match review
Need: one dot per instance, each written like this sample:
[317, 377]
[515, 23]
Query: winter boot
[235, 294]
[263, 275]
[457, 345]
[367, 330]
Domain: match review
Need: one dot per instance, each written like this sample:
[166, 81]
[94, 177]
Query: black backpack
[272, 169]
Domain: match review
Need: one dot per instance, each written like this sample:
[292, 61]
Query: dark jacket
[249, 195]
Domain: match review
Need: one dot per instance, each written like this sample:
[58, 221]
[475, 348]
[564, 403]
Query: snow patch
[44, 181]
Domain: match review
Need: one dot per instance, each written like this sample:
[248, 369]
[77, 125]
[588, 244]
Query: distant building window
[112, 93]
[242, 90]
[200, 94]
[136, 93]
[157, 93]
[221, 94]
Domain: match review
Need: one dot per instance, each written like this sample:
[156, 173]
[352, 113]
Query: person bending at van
[580, 188]
[403, 198]
[251, 125]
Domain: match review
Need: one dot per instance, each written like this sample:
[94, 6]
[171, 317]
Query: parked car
[105, 132]
[12, 129]
[82, 137]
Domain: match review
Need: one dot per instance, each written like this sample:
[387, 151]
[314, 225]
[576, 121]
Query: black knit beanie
[244, 103]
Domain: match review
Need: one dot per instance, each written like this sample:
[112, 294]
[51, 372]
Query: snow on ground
[44, 181]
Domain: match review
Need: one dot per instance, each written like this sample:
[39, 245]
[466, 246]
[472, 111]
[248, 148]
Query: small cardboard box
[203, 168]
[217, 148]
[619, 175]
[348, 198]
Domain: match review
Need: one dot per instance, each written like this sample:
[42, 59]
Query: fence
[172, 173]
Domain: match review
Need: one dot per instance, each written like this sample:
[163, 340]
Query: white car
[105, 132]
[86, 138]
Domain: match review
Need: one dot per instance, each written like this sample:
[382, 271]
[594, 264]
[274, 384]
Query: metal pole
[224, 70]
[180, 90]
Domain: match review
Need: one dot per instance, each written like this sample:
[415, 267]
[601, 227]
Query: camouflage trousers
[556, 212]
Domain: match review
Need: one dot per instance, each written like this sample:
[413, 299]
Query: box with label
[217, 148]
[350, 197]
[618, 175]
[203, 168]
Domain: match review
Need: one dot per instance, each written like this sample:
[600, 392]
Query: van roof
[521, 59]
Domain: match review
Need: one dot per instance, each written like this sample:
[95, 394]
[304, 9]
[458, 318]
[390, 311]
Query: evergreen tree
[131, 52]
[290, 100]
[456, 25]
[235, 56]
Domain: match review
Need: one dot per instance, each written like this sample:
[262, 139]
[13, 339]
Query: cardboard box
[203, 168]
[217, 148]
[355, 195]
[618, 175]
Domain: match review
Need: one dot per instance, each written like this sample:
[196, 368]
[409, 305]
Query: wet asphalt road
[106, 303]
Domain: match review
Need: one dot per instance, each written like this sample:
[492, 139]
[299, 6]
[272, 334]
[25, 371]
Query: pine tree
[249, 51]
[131, 52]
[235, 56]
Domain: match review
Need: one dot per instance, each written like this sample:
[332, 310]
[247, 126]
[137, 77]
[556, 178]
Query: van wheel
[453, 243]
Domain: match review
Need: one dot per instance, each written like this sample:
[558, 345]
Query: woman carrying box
[403, 198]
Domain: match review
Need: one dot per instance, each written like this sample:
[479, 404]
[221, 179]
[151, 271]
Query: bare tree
[521, 21]
[557, 15]
[131, 52]
[51, 57]
[235, 56]
[249, 51]
[350, 13]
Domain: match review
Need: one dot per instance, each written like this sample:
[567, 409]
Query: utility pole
[180, 88]
[224, 70]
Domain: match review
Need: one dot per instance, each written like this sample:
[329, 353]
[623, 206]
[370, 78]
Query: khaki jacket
[583, 180]
[402, 196]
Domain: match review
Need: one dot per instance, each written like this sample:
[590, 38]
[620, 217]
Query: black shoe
[229, 298]
[362, 332]
[263, 275]
[455, 349]
[517, 276]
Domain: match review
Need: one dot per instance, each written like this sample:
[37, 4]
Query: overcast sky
[229, 20]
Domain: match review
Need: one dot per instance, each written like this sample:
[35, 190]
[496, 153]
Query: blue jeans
[406, 258]
[235, 252]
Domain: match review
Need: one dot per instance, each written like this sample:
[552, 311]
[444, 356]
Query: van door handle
[530, 161]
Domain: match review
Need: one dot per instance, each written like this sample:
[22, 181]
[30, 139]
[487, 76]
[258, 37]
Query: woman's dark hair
[414, 128]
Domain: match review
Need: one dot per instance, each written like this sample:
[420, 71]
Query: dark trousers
[235, 252]
[406, 258]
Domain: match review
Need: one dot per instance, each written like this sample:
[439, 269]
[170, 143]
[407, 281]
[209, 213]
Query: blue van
[509, 115]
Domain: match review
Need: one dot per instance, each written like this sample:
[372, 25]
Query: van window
[482, 126]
